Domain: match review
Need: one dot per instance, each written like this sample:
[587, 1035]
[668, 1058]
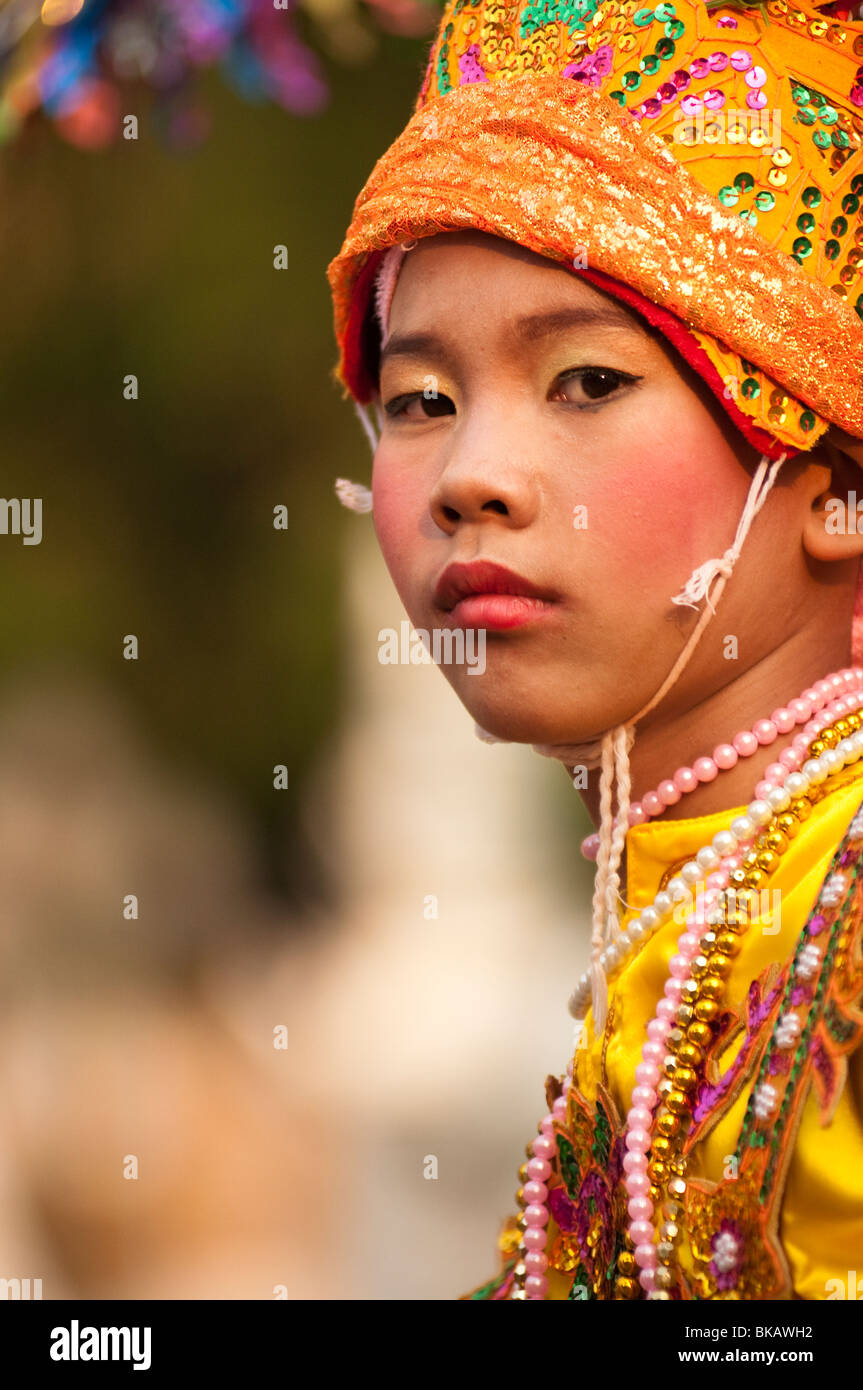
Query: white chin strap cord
[611, 751]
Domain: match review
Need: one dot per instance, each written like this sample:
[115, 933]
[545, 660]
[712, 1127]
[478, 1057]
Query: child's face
[578, 453]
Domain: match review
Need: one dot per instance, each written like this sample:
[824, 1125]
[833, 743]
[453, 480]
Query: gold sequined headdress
[704, 163]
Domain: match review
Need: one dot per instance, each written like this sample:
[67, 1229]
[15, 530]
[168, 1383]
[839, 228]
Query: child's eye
[430, 406]
[589, 384]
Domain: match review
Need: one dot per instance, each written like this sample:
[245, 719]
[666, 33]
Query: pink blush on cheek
[676, 503]
[399, 502]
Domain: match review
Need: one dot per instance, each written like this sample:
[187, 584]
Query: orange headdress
[704, 163]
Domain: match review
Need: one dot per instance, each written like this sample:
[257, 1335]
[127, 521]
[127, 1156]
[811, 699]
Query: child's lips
[485, 594]
[497, 611]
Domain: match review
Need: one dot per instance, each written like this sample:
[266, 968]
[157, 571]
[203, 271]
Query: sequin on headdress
[704, 161]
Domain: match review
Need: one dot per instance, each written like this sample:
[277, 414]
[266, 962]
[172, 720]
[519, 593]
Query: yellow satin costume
[821, 1216]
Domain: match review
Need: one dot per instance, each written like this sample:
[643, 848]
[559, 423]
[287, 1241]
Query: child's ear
[833, 528]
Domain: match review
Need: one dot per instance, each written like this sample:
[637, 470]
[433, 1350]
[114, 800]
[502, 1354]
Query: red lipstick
[485, 594]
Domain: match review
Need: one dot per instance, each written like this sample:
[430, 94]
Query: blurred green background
[157, 513]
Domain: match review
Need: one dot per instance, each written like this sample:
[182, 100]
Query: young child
[602, 294]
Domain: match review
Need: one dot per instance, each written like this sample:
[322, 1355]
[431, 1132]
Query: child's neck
[666, 741]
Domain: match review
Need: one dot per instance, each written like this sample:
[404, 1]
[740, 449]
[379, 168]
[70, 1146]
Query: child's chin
[512, 726]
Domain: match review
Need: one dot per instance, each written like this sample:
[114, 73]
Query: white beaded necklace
[713, 858]
[712, 862]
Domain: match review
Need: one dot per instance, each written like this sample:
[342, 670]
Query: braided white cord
[356, 496]
[372, 434]
[624, 737]
[599, 984]
[353, 495]
[699, 582]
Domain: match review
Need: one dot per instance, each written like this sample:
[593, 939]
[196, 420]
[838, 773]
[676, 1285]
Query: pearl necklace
[720, 857]
[713, 865]
[692, 993]
[743, 745]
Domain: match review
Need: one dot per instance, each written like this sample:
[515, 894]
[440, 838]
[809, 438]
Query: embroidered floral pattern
[787, 1031]
[800, 1028]
[765, 1100]
[728, 1251]
[726, 1237]
[588, 1201]
[759, 1005]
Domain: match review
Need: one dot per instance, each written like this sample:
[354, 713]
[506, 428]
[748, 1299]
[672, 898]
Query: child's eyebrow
[533, 326]
[527, 328]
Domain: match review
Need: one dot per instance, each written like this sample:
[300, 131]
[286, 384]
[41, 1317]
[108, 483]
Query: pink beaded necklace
[818, 706]
[727, 755]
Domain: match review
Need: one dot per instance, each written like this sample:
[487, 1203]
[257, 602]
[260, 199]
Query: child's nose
[486, 479]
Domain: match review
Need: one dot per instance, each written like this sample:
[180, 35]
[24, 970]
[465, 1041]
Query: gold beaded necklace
[700, 1007]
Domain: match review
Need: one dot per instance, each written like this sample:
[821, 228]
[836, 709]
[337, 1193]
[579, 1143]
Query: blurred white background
[407, 1037]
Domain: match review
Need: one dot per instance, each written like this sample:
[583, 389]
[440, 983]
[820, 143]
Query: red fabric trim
[362, 346]
[358, 375]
